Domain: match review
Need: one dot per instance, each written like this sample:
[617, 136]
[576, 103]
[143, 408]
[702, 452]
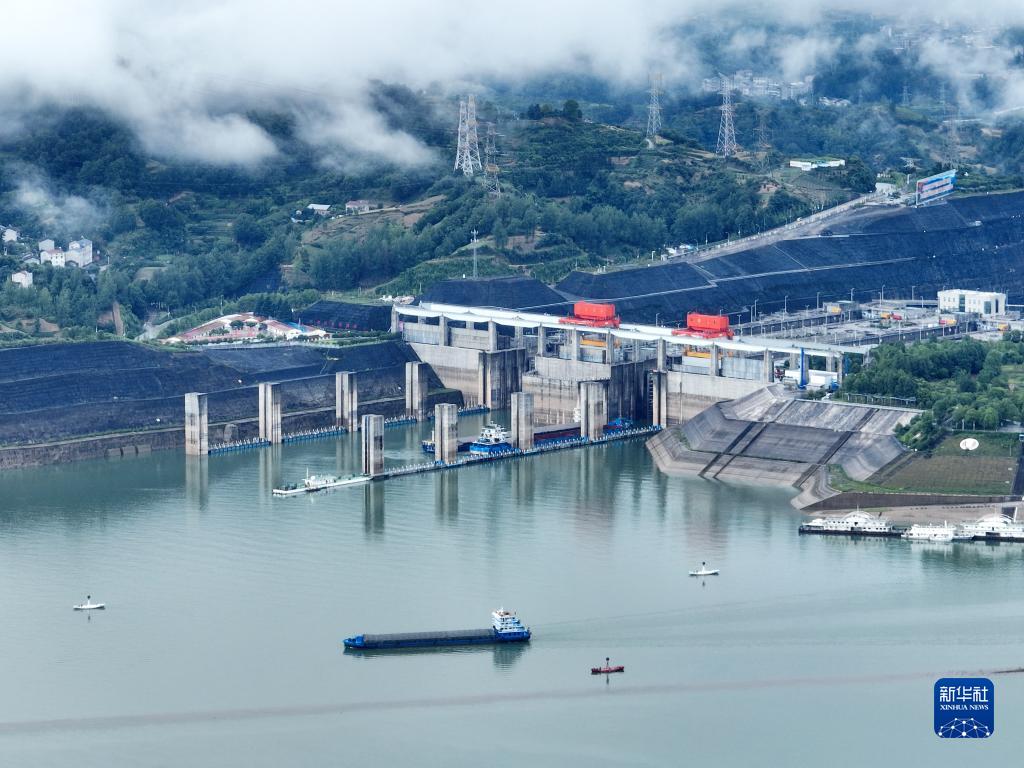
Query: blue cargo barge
[505, 628]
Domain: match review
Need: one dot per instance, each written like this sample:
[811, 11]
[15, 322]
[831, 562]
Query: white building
[79, 252]
[810, 165]
[45, 245]
[54, 256]
[22, 278]
[984, 303]
[319, 208]
[11, 235]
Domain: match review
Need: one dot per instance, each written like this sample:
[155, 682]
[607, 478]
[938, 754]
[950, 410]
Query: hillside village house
[244, 326]
[22, 278]
[78, 254]
[319, 209]
[11, 235]
[358, 206]
[45, 245]
[53, 256]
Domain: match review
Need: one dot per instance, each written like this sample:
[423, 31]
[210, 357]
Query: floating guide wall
[415, 389]
[446, 432]
[501, 375]
[456, 368]
[196, 425]
[522, 420]
[373, 445]
[270, 412]
[346, 401]
[593, 409]
[659, 398]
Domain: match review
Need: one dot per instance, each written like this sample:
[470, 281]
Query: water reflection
[373, 508]
[197, 482]
[270, 468]
[523, 482]
[446, 495]
[504, 655]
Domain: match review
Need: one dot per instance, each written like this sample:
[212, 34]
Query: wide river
[220, 645]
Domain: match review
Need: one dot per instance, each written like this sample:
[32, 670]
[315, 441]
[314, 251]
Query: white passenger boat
[931, 532]
[89, 605]
[851, 524]
[995, 527]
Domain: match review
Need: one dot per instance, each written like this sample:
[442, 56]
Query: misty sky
[184, 73]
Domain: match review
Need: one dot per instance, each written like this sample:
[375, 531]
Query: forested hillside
[580, 188]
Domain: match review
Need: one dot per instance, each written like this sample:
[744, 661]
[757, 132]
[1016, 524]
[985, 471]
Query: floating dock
[315, 483]
[516, 453]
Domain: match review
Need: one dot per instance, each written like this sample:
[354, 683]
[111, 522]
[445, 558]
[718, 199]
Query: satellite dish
[968, 444]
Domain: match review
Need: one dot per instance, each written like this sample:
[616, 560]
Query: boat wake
[227, 715]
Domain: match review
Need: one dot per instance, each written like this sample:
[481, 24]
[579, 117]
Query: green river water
[226, 607]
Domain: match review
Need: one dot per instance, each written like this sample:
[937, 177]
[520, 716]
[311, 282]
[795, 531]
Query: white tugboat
[931, 532]
[493, 439]
[994, 527]
[851, 524]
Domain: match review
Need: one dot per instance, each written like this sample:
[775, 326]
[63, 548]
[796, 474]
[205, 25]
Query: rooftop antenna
[467, 153]
[727, 146]
[491, 181]
[473, 242]
[654, 111]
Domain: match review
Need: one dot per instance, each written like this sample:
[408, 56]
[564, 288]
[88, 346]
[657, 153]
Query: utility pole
[473, 243]
[727, 146]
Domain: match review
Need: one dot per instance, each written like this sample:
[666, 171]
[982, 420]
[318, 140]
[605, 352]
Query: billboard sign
[936, 186]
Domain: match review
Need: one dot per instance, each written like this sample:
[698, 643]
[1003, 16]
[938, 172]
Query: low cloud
[58, 214]
[185, 75]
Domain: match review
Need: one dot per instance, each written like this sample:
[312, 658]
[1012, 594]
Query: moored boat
[493, 439]
[314, 483]
[428, 446]
[930, 532]
[89, 605]
[856, 523]
[995, 527]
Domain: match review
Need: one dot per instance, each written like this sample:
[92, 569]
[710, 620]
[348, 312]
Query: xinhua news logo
[964, 708]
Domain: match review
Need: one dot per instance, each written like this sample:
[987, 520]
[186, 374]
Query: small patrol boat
[607, 669]
[89, 605]
[704, 571]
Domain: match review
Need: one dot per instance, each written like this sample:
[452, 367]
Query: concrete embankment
[67, 402]
[772, 437]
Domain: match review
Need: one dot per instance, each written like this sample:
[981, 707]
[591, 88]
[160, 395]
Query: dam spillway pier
[649, 372]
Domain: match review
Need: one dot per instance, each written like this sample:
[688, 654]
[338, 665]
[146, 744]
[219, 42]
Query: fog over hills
[185, 75]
